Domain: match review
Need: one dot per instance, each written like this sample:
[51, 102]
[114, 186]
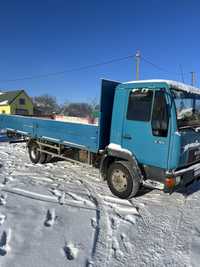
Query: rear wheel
[34, 153]
[123, 180]
[49, 157]
[43, 158]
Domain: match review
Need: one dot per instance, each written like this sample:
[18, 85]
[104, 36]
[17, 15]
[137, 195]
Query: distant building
[15, 102]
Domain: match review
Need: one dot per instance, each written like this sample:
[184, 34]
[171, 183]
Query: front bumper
[185, 176]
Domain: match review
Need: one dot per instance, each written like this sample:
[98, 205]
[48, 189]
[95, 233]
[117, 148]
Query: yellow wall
[5, 109]
[16, 105]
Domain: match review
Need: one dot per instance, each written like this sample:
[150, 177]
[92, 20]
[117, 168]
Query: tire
[49, 157]
[43, 158]
[123, 179]
[34, 154]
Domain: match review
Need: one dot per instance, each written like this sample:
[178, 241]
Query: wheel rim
[119, 180]
[34, 152]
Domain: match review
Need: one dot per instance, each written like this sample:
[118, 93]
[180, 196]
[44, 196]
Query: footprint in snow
[62, 199]
[94, 223]
[56, 192]
[70, 250]
[4, 242]
[50, 218]
[89, 263]
[2, 218]
[7, 180]
[3, 198]
[114, 223]
[59, 194]
[118, 254]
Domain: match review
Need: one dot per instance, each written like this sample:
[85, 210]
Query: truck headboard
[106, 106]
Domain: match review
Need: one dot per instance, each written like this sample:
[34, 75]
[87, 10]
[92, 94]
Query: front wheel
[123, 180]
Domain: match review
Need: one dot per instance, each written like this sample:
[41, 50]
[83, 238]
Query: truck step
[153, 184]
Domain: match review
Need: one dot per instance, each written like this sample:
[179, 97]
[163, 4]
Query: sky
[41, 37]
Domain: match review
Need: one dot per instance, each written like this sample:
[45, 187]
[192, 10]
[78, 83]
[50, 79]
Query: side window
[139, 105]
[160, 118]
[22, 101]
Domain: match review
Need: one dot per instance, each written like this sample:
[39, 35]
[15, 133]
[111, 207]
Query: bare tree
[83, 110]
[46, 104]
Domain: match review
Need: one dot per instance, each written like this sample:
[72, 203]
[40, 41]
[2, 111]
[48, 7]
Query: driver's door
[146, 126]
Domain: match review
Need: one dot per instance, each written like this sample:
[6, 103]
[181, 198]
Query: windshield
[187, 108]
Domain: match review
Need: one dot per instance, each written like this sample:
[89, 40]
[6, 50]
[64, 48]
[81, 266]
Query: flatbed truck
[148, 131]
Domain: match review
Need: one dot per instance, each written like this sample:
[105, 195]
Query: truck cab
[154, 135]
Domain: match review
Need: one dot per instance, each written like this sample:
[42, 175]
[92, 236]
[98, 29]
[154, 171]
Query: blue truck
[148, 131]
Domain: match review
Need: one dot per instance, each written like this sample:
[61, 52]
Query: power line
[157, 67]
[50, 74]
[169, 72]
[39, 76]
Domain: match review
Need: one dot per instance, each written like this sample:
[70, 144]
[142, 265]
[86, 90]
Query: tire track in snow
[102, 246]
[46, 198]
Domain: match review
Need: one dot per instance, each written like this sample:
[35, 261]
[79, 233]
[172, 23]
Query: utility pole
[137, 57]
[182, 75]
[193, 81]
[193, 78]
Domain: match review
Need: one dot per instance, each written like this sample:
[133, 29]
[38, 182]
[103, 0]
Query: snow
[172, 84]
[62, 214]
[185, 113]
[130, 218]
[118, 148]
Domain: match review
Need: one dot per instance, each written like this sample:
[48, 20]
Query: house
[16, 102]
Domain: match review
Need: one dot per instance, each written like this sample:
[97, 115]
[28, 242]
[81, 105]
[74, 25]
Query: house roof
[6, 98]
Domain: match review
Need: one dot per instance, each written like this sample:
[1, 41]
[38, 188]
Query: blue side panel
[106, 106]
[70, 134]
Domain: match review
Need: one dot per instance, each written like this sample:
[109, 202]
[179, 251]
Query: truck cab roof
[171, 84]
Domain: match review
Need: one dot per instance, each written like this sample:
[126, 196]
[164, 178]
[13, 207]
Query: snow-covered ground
[61, 214]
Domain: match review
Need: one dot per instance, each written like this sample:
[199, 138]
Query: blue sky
[39, 37]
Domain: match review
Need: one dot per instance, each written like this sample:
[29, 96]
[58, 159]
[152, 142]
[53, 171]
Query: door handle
[127, 136]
